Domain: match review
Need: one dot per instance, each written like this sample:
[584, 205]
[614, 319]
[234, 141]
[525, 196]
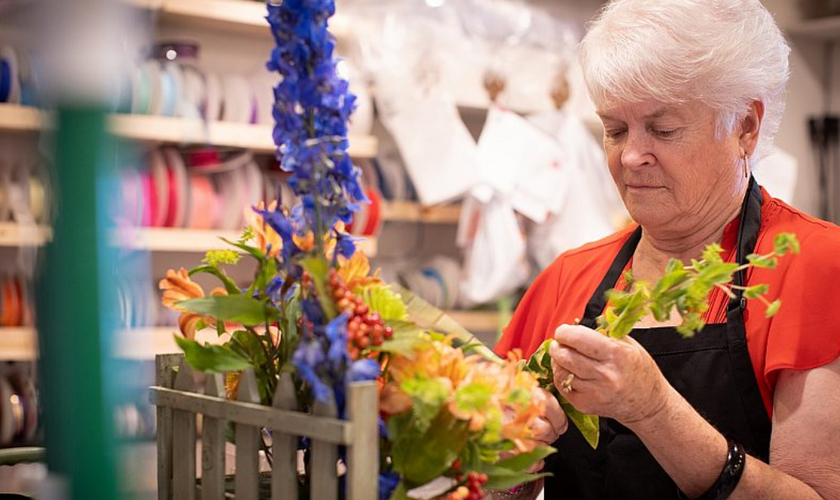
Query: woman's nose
[637, 150]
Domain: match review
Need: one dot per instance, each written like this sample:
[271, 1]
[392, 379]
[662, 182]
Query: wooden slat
[164, 377]
[363, 454]
[324, 484]
[328, 430]
[404, 211]
[213, 446]
[13, 234]
[18, 343]
[247, 443]
[183, 440]
[284, 483]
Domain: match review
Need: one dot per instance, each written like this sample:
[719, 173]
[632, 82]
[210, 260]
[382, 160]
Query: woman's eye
[664, 133]
[612, 134]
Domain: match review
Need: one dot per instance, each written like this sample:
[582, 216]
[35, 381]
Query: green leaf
[216, 258]
[318, 268]
[388, 303]
[522, 461]
[236, 308]
[586, 424]
[211, 358]
[230, 286]
[785, 243]
[252, 251]
[763, 261]
[754, 292]
[499, 478]
[405, 341]
[420, 457]
[428, 395]
[712, 253]
[773, 308]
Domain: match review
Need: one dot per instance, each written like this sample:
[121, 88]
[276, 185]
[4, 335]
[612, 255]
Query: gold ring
[566, 384]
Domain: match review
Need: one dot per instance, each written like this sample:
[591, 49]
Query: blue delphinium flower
[388, 481]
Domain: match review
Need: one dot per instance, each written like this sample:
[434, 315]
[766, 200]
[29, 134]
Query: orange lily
[177, 287]
[264, 235]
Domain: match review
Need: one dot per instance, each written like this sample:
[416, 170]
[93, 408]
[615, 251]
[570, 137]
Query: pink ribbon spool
[203, 210]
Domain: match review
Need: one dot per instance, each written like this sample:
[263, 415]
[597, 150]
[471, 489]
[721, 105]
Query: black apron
[712, 371]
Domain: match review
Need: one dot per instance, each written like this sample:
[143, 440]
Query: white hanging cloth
[593, 208]
[438, 150]
[521, 171]
[777, 173]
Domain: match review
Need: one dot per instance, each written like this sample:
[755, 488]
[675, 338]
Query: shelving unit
[192, 240]
[172, 130]
[238, 16]
[826, 29]
[17, 235]
[403, 211]
[18, 344]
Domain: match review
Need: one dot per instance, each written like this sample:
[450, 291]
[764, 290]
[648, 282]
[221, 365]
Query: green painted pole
[76, 308]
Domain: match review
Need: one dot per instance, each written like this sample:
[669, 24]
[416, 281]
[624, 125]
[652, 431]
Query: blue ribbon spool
[5, 80]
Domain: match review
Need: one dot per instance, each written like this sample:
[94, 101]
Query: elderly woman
[691, 93]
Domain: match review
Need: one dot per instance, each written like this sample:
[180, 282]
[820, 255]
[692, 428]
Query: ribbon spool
[132, 197]
[28, 77]
[5, 209]
[149, 199]
[11, 312]
[203, 205]
[179, 189]
[169, 91]
[7, 413]
[141, 91]
[160, 182]
[213, 108]
[238, 100]
[25, 411]
[154, 72]
[11, 84]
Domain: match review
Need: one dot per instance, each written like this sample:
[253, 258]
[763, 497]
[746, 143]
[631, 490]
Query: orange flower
[177, 286]
[306, 242]
[355, 271]
[264, 235]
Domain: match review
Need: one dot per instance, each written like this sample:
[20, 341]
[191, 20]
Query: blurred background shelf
[18, 344]
[256, 138]
[13, 234]
[193, 240]
[403, 211]
[235, 16]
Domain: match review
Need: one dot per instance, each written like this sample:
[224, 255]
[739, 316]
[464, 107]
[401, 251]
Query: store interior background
[405, 243]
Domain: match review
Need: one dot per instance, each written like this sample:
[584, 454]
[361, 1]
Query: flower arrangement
[448, 407]
[315, 308]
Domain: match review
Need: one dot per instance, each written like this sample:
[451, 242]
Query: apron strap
[598, 301]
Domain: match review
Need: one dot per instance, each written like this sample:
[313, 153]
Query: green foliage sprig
[684, 288]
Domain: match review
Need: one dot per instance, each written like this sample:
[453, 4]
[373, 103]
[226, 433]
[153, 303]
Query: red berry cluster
[365, 328]
[471, 489]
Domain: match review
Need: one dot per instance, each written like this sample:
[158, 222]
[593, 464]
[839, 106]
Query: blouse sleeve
[533, 317]
[805, 333]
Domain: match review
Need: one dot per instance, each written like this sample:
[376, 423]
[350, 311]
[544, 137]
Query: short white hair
[723, 53]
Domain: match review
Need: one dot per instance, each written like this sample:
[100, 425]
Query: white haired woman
[691, 93]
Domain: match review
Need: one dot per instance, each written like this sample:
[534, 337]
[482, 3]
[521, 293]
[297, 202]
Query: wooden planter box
[179, 402]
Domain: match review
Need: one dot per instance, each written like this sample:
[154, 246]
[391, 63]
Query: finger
[584, 340]
[572, 361]
[555, 415]
[543, 431]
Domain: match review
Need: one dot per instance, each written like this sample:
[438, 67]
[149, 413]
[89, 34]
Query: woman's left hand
[614, 378]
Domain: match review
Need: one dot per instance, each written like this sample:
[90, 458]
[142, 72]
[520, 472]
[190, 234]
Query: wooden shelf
[166, 129]
[826, 28]
[237, 16]
[18, 344]
[13, 234]
[403, 211]
[192, 240]
[477, 321]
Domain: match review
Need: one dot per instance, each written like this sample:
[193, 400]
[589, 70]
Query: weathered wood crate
[179, 402]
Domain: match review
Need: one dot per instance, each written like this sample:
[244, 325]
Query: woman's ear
[751, 126]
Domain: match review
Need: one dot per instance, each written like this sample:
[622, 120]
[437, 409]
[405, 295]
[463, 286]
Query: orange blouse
[804, 334]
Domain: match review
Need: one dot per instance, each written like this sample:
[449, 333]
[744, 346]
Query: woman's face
[670, 169]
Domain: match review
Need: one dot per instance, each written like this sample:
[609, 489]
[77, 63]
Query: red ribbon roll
[203, 206]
